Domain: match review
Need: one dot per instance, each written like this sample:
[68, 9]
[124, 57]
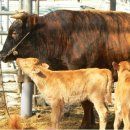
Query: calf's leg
[118, 115]
[102, 112]
[56, 113]
[88, 118]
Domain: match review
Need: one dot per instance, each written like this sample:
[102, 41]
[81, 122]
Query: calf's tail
[14, 123]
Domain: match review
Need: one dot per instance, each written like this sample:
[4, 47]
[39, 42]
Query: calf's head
[27, 65]
[31, 65]
[121, 67]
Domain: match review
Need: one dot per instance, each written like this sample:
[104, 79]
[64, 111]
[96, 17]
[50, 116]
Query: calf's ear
[45, 65]
[18, 61]
[38, 72]
[115, 66]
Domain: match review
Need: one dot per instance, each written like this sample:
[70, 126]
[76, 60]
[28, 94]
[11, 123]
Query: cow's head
[20, 27]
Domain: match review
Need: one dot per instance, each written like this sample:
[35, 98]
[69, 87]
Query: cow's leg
[57, 111]
[88, 118]
[102, 112]
[118, 115]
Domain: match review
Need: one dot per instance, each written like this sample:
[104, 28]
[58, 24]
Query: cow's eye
[14, 33]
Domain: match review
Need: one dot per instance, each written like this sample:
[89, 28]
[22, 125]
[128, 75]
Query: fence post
[1, 78]
[27, 86]
[20, 4]
[26, 97]
[35, 87]
[37, 7]
[28, 6]
[112, 4]
[35, 98]
[19, 80]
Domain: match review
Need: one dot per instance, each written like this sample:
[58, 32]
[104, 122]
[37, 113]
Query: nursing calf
[67, 87]
[122, 95]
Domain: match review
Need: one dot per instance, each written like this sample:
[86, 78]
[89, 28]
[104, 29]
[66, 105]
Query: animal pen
[6, 10]
[27, 86]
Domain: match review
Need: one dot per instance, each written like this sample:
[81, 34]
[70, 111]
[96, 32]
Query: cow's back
[83, 39]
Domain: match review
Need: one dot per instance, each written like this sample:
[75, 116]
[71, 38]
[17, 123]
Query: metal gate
[8, 8]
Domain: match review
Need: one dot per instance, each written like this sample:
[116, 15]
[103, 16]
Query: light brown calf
[67, 87]
[122, 95]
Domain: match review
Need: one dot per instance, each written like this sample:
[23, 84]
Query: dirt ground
[41, 118]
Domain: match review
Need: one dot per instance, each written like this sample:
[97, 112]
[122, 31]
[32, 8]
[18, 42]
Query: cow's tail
[108, 97]
[14, 122]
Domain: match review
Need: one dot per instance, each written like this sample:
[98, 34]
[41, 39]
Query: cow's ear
[32, 21]
[115, 66]
[45, 65]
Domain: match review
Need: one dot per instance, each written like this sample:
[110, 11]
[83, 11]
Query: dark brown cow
[71, 40]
